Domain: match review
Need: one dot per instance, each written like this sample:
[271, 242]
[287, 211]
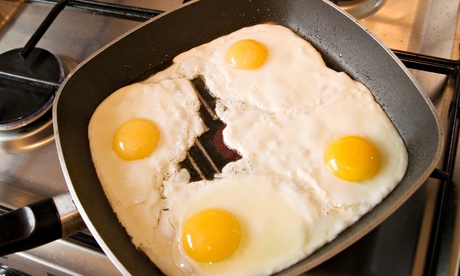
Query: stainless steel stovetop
[30, 170]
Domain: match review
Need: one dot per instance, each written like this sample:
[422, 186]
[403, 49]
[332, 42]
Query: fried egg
[127, 123]
[290, 78]
[266, 225]
[295, 146]
[317, 152]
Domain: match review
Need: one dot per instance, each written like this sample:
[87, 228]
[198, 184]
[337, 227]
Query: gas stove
[421, 237]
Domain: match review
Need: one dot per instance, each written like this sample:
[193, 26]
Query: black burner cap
[26, 86]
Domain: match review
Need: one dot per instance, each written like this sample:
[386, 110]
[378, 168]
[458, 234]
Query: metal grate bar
[28, 80]
[450, 68]
[106, 9]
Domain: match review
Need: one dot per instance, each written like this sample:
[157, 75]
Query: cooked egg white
[274, 230]
[293, 145]
[292, 78]
[134, 187]
[297, 125]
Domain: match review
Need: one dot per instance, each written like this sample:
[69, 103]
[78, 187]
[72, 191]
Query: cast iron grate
[450, 68]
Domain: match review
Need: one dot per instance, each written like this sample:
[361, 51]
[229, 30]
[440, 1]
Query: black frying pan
[345, 45]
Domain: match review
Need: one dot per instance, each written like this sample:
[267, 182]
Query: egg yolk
[352, 158]
[246, 54]
[136, 139]
[211, 235]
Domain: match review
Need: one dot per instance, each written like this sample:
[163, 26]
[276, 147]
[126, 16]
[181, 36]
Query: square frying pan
[345, 46]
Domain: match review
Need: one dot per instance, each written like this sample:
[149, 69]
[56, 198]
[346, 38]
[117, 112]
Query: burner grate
[450, 68]
[106, 9]
[27, 86]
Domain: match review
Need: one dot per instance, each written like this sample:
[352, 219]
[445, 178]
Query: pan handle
[39, 223]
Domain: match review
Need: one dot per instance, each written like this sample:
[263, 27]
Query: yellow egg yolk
[352, 158]
[246, 54]
[136, 139]
[211, 235]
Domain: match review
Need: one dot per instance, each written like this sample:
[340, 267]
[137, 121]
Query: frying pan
[345, 45]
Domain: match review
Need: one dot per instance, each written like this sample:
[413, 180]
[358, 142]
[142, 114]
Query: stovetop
[30, 170]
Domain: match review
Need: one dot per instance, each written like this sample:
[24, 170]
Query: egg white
[275, 222]
[294, 76]
[356, 113]
[292, 145]
[134, 187]
[280, 118]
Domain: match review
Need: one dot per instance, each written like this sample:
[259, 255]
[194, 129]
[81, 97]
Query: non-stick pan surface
[345, 46]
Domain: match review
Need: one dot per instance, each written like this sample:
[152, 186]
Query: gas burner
[27, 86]
[360, 8]
[31, 136]
[27, 91]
